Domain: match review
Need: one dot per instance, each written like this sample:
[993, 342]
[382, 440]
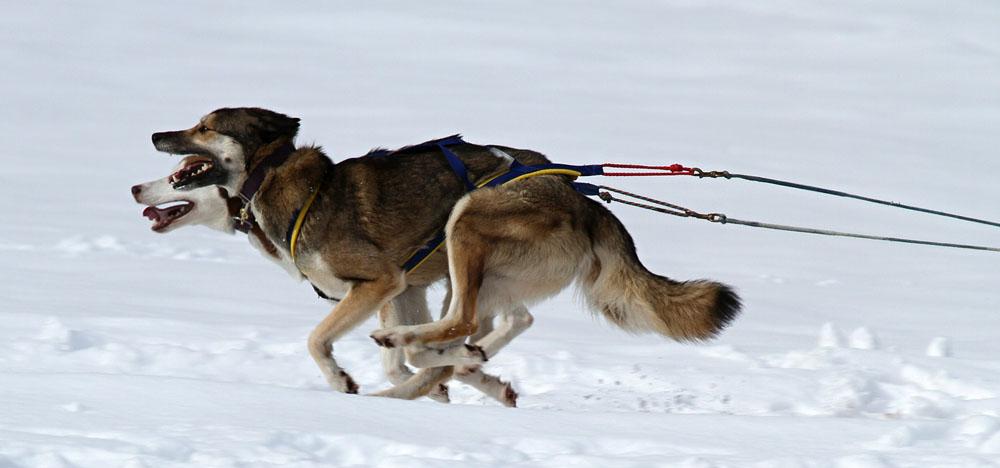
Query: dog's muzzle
[173, 143]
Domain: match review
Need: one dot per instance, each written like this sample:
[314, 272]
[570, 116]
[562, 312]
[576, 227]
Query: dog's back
[399, 201]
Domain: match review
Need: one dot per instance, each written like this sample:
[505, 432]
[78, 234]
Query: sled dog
[506, 246]
[210, 206]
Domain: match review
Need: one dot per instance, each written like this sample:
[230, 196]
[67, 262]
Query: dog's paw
[508, 397]
[342, 382]
[392, 337]
[440, 394]
[476, 353]
[457, 355]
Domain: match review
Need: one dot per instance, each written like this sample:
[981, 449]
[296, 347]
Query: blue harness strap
[456, 164]
[422, 253]
[517, 171]
[589, 190]
[442, 144]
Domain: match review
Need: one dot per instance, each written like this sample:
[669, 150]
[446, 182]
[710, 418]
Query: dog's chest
[309, 266]
[277, 255]
[322, 277]
[335, 289]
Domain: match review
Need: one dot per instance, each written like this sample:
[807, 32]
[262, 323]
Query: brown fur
[549, 236]
[506, 245]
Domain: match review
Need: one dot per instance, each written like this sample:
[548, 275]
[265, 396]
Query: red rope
[671, 170]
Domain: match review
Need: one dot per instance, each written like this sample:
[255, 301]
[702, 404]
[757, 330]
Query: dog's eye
[203, 129]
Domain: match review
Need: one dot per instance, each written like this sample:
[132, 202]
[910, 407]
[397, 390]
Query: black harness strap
[244, 222]
[321, 294]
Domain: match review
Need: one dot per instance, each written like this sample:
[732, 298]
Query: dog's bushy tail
[618, 286]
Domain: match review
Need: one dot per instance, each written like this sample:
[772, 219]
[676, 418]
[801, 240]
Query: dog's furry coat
[506, 246]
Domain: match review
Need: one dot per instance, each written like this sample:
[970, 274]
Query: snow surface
[121, 347]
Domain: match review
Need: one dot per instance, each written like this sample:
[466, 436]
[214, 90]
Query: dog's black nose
[158, 136]
[136, 189]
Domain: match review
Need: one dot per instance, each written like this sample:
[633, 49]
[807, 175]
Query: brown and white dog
[506, 246]
[210, 206]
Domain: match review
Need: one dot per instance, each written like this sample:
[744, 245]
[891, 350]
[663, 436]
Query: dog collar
[244, 222]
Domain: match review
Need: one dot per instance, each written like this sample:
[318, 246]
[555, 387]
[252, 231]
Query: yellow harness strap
[421, 255]
[299, 220]
[555, 171]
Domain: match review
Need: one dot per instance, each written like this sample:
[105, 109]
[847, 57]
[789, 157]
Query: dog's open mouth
[192, 167]
[164, 215]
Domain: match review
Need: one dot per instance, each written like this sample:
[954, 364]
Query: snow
[121, 347]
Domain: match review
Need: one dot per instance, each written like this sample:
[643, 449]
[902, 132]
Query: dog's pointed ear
[272, 125]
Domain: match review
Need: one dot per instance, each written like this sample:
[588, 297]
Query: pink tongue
[153, 213]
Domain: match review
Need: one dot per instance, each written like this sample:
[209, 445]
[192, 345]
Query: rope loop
[671, 170]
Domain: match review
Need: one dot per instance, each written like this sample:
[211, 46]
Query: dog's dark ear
[271, 125]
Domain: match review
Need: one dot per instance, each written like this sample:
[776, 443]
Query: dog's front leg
[407, 308]
[363, 300]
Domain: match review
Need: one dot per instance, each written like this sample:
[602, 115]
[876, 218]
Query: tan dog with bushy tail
[506, 246]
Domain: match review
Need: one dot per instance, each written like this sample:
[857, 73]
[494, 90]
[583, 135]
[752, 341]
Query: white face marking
[210, 208]
[231, 159]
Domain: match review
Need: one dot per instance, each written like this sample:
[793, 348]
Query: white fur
[502, 155]
[210, 208]
[320, 274]
[230, 156]
[409, 308]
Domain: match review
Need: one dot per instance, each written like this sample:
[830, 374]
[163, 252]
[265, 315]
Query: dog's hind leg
[422, 382]
[467, 253]
[485, 328]
[419, 384]
[473, 375]
[511, 324]
[489, 385]
[410, 307]
[489, 341]
[362, 301]
[456, 353]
